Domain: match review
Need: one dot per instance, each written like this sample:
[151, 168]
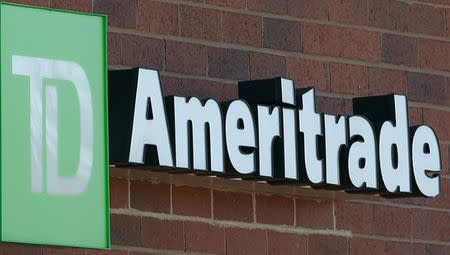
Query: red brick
[148, 196]
[428, 88]
[125, 230]
[426, 20]
[186, 58]
[314, 213]
[200, 23]
[75, 5]
[233, 206]
[119, 192]
[19, 249]
[400, 50]
[228, 63]
[112, 252]
[242, 29]
[114, 48]
[142, 253]
[447, 20]
[277, 210]
[198, 88]
[415, 116]
[434, 54]
[376, 247]
[349, 79]
[205, 238]
[277, 7]
[430, 225]
[355, 217]
[157, 17]
[388, 14]
[308, 73]
[264, 66]
[334, 106]
[385, 81]
[330, 41]
[42, 3]
[323, 244]
[443, 199]
[316, 9]
[120, 13]
[138, 51]
[241, 4]
[282, 34]
[432, 249]
[65, 251]
[191, 201]
[162, 234]
[440, 121]
[245, 241]
[286, 243]
[391, 221]
[348, 11]
[445, 158]
[446, 2]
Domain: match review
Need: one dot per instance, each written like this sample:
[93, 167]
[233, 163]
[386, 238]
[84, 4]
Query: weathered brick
[277, 7]
[19, 249]
[162, 234]
[282, 34]
[241, 4]
[286, 243]
[446, 2]
[111, 252]
[120, 13]
[233, 206]
[439, 120]
[114, 48]
[415, 116]
[198, 88]
[157, 17]
[400, 50]
[428, 88]
[445, 158]
[205, 238]
[200, 23]
[334, 106]
[264, 66]
[242, 29]
[443, 199]
[385, 81]
[316, 9]
[347, 212]
[314, 213]
[119, 192]
[388, 14]
[447, 20]
[426, 20]
[228, 63]
[349, 79]
[191, 201]
[148, 196]
[74, 5]
[323, 245]
[432, 249]
[65, 251]
[245, 241]
[308, 73]
[277, 210]
[138, 51]
[391, 221]
[126, 230]
[434, 54]
[348, 11]
[430, 225]
[377, 247]
[186, 58]
[330, 41]
[42, 3]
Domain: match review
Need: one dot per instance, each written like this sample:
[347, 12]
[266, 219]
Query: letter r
[37, 69]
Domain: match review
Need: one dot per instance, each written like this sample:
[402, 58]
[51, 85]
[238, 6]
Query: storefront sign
[272, 134]
[54, 157]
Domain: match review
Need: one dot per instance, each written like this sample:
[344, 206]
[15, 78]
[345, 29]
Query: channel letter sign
[54, 155]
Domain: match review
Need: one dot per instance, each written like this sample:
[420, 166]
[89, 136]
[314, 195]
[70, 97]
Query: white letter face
[38, 69]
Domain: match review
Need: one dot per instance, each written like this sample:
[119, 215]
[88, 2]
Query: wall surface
[344, 48]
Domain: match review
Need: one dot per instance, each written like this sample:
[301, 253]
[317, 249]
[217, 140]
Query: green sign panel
[54, 155]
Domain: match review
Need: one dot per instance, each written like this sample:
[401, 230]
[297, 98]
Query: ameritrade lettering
[272, 134]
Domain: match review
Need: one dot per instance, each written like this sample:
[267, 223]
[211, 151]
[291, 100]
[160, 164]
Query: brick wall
[344, 48]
